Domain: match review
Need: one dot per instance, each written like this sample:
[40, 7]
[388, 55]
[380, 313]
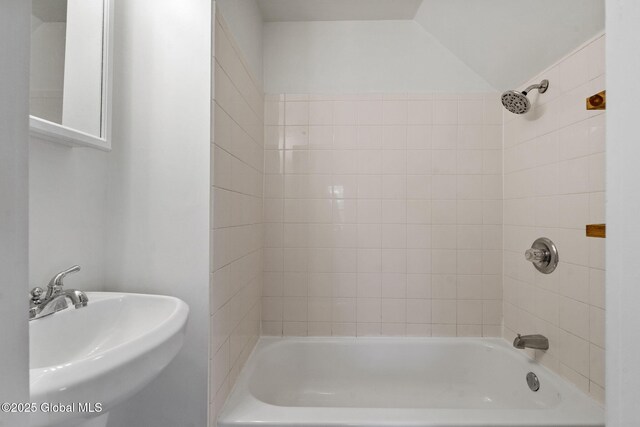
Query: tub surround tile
[238, 188]
[378, 204]
[559, 146]
[438, 330]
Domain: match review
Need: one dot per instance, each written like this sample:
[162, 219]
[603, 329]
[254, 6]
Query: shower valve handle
[536, 255]
[543, 255]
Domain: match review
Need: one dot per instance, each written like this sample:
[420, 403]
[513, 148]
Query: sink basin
[102, 353]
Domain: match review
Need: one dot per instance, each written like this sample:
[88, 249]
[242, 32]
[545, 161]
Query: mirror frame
[55, 132]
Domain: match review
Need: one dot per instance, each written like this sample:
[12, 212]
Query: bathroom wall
[158, 192]
[553, 186]
[14, 133]
[623, 205]
[343, 57]
[237, 151]
[67, 214]
[383, 215]
[67, 186]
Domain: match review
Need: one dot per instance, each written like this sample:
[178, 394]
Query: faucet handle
[57, 279]
[55, 284]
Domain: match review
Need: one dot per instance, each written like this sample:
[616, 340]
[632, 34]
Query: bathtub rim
[242, 408]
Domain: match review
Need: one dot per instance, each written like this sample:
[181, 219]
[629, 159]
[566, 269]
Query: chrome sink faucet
[55, 298]
[538, 342]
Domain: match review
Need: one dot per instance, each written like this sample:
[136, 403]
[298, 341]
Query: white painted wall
[67, 187]
[245, 22]
[158, 196]
[14, 111]
[67, 213]
[360, 57]
[623, 205]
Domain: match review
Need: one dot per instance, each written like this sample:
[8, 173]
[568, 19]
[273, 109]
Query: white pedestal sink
[102, 353]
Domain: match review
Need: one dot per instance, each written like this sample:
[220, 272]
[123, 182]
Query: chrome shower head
[517, 102]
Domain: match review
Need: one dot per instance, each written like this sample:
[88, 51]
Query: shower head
[517, 102]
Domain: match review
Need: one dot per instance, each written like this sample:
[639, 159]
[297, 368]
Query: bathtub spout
[538, 342]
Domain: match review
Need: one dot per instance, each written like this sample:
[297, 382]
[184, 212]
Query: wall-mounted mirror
[70, 71]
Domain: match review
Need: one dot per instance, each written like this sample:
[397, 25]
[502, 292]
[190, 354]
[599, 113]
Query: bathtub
[400, 382]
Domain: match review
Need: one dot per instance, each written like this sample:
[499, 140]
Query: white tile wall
[383, 215]
[553, 187]
[236, 215]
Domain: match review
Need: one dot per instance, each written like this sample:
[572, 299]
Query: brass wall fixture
[597, 101]
[597, 230]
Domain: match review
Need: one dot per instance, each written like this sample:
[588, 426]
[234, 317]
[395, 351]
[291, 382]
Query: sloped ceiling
[505, 42]
[361, 57]
[509, 41]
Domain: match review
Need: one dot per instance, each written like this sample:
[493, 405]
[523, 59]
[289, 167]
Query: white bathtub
[400, 382]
